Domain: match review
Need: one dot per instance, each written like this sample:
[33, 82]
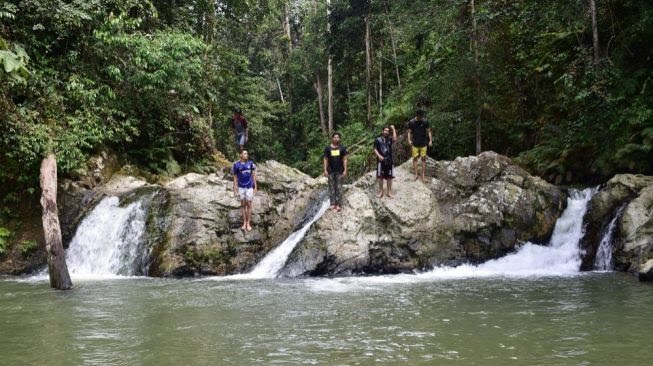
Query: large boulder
[203, 235]
[468, 210]
[632, 195]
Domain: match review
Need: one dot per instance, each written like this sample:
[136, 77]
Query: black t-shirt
[384, 147]
[419, 131]
[334, 156]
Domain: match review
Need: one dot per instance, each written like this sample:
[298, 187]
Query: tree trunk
[477, 77]
[368, 69]
[320, 104]
[280, 91]
[59, 276]
[286, 24]
[595, 32]
[380, 86]
[287, 78]
[329, 75]
[394, 47]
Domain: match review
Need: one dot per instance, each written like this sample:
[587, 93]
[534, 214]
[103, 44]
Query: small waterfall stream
[109, 241]
[270, 266]
[603, 260]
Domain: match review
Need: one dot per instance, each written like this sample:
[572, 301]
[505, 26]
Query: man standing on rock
[244, 171]
[241, 131]
[383, 151]
[335, 168]
[418, 130]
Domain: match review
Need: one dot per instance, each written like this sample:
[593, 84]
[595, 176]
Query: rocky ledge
[629, 198]
[193, 222]
[468, 210]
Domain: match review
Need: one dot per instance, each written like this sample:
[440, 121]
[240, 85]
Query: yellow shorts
[419, 151]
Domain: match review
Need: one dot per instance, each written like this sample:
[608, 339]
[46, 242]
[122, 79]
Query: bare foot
[249, 228]
[244, 227]
[423, 180]
[390, 195]
[416, 177]
[338, 208]
[333, 207]
[380, 194]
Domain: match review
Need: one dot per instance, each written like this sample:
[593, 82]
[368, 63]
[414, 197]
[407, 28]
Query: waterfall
[603, 260]
[109, 241]
[270, 266]
[560, 257]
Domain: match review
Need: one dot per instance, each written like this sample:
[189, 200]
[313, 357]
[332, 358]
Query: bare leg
[415, 167]
[390, 188]
[423, 167]
[380, 188]
[243, 211]
[249, 216]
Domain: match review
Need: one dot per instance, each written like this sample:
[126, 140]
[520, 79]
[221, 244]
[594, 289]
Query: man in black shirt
[335, 168]
[418, 131]
[383, 151]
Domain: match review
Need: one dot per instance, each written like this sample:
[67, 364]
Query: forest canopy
[563, 86]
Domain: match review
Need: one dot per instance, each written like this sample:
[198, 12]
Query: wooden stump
[57, 268]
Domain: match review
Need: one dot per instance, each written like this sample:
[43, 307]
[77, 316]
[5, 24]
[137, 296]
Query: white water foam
[108, 242]
[270, 266]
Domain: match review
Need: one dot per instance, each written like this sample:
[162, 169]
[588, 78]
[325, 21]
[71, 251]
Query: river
[584, 319]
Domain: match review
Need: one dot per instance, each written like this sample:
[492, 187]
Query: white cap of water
[108, 241]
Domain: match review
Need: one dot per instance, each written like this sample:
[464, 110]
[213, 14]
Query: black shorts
[384, 170]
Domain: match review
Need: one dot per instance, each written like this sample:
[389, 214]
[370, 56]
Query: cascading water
[603, 260]
[109, 241]
[270, 266]
[561, 257]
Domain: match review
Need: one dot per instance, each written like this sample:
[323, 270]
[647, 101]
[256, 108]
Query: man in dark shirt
[383, 151]
[241, 131]
[419, 137]
[335, 168]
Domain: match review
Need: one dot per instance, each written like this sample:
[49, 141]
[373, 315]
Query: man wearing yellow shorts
[419, 138]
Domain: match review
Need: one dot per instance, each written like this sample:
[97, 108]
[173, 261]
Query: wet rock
[468, 210]
[204, 235]
[646, 271]
[633, 240]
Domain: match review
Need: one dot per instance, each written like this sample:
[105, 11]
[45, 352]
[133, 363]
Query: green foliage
[158, 80]
[5, 234]
[27, 247]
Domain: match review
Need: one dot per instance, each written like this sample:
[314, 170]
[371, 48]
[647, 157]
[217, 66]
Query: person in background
[383, 151]
[335, 168]
[241, 131]
[419, 137]
[244, 171]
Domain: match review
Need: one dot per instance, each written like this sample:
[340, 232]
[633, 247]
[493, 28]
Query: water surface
[586, 319]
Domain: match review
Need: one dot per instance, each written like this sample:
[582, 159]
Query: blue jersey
[244, 172]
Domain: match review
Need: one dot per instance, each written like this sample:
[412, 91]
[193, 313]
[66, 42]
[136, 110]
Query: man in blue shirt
[244, 171]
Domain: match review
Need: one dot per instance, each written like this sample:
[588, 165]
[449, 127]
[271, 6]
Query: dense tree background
[157, 80]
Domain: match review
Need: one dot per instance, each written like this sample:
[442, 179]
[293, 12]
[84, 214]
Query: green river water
[586, 319]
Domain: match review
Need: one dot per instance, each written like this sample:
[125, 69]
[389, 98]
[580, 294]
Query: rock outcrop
[468, 210]
[202, 230]
[633, 239]
[193, 222]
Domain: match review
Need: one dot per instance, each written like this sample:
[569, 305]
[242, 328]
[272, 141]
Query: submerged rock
[468, 210]
[633, 239]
